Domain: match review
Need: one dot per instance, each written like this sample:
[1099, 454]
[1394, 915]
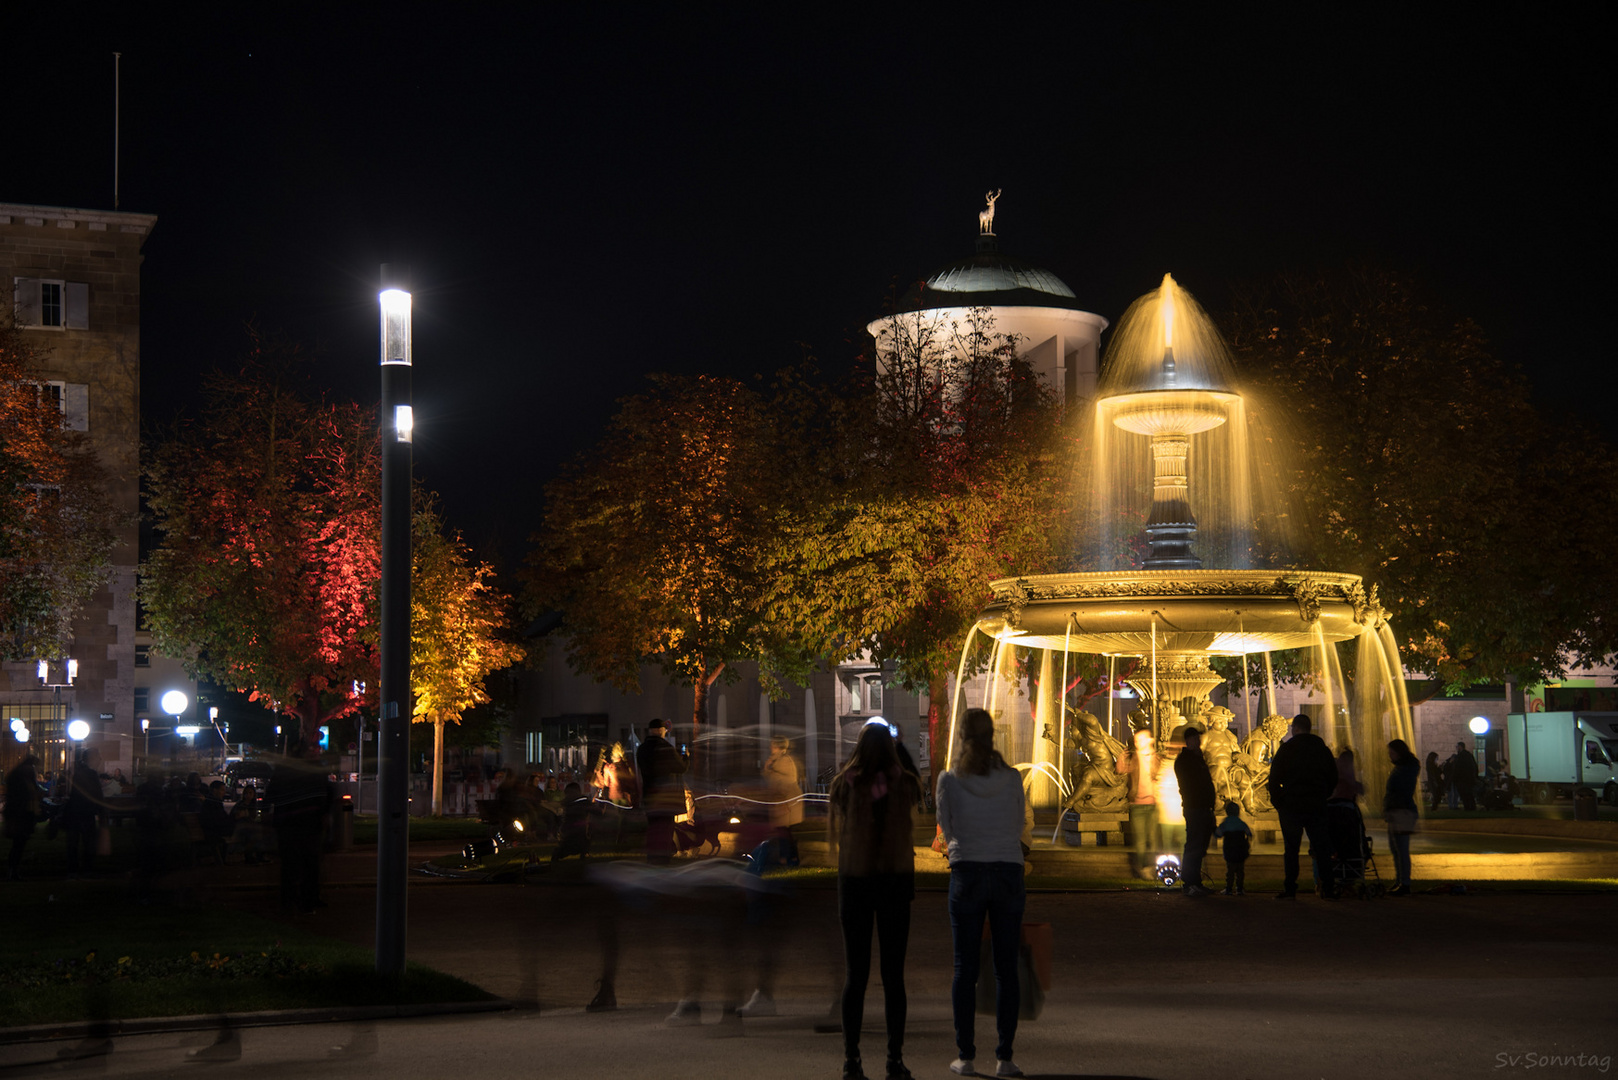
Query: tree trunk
[438, 766]
[699, 717]
[937, 726]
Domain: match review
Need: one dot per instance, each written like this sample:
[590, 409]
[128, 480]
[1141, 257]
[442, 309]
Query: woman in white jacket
[980, 810]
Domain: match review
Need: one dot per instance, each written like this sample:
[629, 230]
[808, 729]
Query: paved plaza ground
[1147, 984]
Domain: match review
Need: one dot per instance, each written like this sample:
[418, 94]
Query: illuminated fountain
[1168, 396]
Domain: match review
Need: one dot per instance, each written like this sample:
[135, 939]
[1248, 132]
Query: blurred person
[1140, 764]
[1197, 804]
[1303, 774]
[302, 799]
[662, 786]
[616, 778]
[783, 784]
[247, 825]
[575, 824]
[1348, 785]
[871, 802]
[24, 808]
[215, 821]
[192, 794]
[1235, 843]
[81, 817]
[1399, 811]
[1435, 780]
[981, 810]
[1462, 768]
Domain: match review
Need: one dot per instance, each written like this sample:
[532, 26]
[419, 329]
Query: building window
[143, 696]
[143, 656]
[50, 303]
[45, 304]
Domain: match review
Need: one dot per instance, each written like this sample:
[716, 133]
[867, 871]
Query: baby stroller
[1353, 869]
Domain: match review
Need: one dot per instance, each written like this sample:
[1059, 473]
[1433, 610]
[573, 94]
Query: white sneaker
[962, 1067]
[685, 1014]
[1007, 1068]
[760, 1004]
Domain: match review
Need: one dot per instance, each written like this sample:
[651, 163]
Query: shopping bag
[1031, 990]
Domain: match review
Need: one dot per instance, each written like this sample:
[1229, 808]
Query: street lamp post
[393, 778]
[174, 702]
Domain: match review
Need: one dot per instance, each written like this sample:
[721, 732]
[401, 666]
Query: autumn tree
[956, 470]
[268, 510]
[459, 631]
[1416, 458]
[652, 545]
[57, 528]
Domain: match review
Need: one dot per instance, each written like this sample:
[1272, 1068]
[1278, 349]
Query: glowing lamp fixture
[78, 730]
[395, 326]
[404, 422]
[21, 734]
[1479, 724]
[43, 670]
[17, 723]
[187, 729]
[174, 702]
[893, 729]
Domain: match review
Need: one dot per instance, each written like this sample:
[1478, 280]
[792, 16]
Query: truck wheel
[1610, 796]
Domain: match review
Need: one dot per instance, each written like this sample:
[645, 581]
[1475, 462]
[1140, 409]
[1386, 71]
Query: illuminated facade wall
[74, 279]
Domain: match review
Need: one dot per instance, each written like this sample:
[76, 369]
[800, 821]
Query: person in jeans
[870, 803]
[1399, 810]
[981, 810]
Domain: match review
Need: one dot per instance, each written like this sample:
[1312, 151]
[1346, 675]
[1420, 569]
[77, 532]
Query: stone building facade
[75, 282]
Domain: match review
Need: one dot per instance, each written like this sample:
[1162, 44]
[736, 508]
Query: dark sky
[588, 193]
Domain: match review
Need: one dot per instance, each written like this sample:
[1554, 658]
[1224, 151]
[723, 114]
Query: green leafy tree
[652, 545]
[458, 634]
[1416, 458]
[57, 528]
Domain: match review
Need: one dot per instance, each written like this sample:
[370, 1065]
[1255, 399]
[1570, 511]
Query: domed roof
[989, 278]
[990, 271]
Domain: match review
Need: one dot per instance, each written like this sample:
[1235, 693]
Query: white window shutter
[26, 295]
[76, 304]
[76, 407]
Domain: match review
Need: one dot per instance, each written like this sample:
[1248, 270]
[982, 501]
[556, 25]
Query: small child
[1235, 840]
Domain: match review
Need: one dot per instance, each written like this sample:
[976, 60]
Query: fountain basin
[1214, 612]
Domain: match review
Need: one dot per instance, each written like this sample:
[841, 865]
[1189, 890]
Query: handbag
[1401, 821]
[1031, 989]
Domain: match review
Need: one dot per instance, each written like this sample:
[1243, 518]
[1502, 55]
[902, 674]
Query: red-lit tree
[57, 529]
[268, 510]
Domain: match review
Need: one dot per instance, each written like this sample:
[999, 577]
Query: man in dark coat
[1463, 776]
[1197, 803]
[662, 790]
[302, 799]
[1302, 776]
[22, 811]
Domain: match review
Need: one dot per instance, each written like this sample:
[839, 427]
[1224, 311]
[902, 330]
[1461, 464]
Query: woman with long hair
[870, 804]
[1399, 811]
[981, 810]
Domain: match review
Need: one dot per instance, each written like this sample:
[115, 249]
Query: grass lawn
[84, 950]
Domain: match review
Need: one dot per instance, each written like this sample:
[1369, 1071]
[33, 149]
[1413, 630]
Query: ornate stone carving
[1220, 746]
[1016, 598]
[1098, 786]
[1307, 593]
[1250, 766]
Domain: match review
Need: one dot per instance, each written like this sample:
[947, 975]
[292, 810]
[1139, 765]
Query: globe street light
[175, 702]
[1480, 726]
[78, 730]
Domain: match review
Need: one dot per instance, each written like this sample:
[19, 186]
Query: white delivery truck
[1553, 753]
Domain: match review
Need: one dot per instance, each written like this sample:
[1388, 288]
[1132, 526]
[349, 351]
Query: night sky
[589, 193]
